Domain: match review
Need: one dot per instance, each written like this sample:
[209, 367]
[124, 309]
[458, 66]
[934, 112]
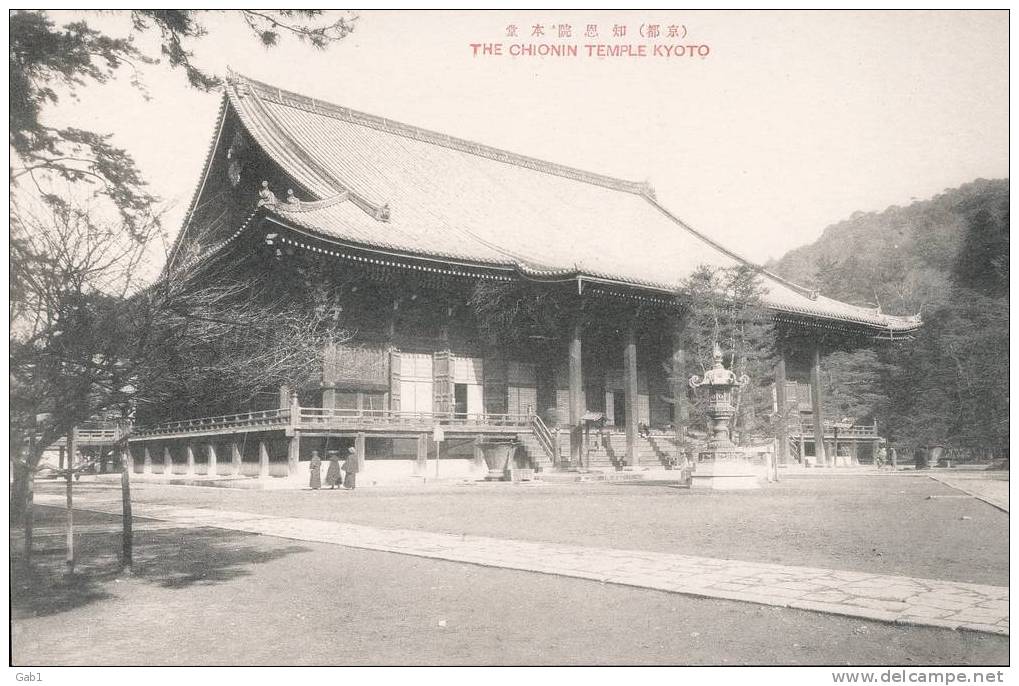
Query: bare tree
[88, 341]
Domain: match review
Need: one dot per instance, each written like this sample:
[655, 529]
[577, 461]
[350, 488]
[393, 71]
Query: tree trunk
[24, 470]
[28, 514]
[125, 492]
[72, 443]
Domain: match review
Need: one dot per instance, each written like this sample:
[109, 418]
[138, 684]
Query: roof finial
[265, 196]
[716, 354]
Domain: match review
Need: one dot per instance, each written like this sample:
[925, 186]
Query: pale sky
[793, 121]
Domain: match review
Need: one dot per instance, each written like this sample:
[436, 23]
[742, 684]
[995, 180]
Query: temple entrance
[416, 384]
[468, 391]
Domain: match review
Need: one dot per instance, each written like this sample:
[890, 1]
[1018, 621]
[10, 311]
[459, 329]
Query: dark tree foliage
[517, 312]
[982, 262]
[951, 385]
[947, 257]
[724, 306]
[853, 385]
[48, 63]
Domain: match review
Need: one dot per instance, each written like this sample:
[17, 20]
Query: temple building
[407, 223]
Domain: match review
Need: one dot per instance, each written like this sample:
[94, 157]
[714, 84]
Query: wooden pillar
[167, 461]
[235, 457]
[191, 459]
[213, 462]
[782, 410]
[62, 452]
[817, 406]
[576, 383]
[444, 326]
[680, 407]
[359, 451]
[263, 460]
[329, 397]
[329, 372]
[293, 453]
[630, 394]
[146, 460]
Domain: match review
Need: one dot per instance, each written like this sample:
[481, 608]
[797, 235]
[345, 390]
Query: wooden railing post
[263, 460]
[293, 453]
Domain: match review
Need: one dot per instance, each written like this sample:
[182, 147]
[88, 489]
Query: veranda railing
[313, 417]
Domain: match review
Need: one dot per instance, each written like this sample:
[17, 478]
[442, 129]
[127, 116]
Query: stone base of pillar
[725, 471]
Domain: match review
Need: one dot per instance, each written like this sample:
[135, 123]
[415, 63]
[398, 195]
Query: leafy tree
[982, 262]
[853, 384]
[951, 385]
[947, 257]
[81, 335]
[724, 306]
[48, 63]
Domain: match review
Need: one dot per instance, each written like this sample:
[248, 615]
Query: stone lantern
[722, 466]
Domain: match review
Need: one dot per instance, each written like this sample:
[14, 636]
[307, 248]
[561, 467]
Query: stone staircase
[608, 451]
[537, 456]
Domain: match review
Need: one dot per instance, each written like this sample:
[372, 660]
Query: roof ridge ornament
[266, 198]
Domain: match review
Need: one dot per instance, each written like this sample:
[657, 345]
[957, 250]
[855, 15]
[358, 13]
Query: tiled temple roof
[382, 184]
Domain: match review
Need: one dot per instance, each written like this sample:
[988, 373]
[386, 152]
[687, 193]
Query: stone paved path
[899, 599]
[979, 485]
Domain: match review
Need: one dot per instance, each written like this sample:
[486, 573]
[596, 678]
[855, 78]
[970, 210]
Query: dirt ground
[881, 524]
[204, 596]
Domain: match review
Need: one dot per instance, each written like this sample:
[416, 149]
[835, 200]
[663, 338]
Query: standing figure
[350, 468]
[316, 471]
[334, 477]
[880, 456]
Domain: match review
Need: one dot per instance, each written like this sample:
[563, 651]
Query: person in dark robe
[334, 477]
[350, 468]
[315, 468]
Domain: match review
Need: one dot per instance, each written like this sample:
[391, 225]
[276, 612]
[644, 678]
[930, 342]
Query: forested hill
[947, 258]
[901, 258]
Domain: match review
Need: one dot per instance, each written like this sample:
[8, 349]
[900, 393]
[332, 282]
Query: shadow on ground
[659, 483]
[171, 558]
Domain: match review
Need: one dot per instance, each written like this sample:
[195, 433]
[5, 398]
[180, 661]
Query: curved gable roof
[387, 185]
